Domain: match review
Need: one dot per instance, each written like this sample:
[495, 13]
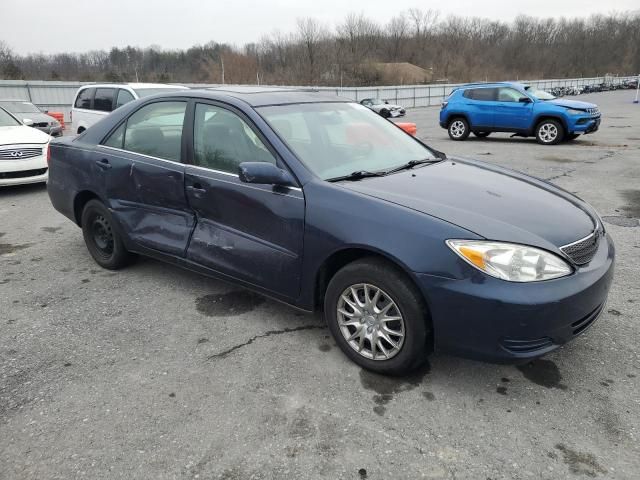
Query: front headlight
[576, 112]
[509, 261]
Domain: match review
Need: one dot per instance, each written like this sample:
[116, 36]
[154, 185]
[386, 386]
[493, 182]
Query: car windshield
[145, 92]
[337, 139]
[539, 94]
[7, 120]
[20, 107]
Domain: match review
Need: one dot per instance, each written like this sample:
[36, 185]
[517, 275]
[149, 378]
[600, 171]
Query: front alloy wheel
[549, 132]
[370, 321]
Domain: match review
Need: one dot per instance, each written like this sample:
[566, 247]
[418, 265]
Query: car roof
[257, 96]
[133, 85]
[492, 85]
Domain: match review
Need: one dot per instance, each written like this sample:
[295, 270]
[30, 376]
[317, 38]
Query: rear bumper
[492, 320]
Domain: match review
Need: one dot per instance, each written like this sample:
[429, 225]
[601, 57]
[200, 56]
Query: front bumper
[20, 172]
[489, 319]
[585, 125]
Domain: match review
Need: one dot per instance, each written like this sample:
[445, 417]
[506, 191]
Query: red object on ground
[408, 127]
[59, 116]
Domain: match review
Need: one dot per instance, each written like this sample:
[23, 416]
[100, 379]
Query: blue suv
[513, 107]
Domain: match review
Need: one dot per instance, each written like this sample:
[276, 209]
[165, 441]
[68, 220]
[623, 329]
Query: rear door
[511, 113]
[251, 232]
[143, 177]
[480, 106]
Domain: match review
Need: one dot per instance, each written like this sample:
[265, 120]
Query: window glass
[156, 130]
[20, 107]
[222, 140]
[145, 92]
[483, 94]
[509, 95]
[116, 139]
[84, 98]
[124, 97]
[7, 120]
[103, 100]
[336, 139]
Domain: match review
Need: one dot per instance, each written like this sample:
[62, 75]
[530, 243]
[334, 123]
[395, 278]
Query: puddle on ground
[557, 159]
[228, 304]
[51, 229]
[632, 207]
[544, 373]
[580, 463]
[386, 387]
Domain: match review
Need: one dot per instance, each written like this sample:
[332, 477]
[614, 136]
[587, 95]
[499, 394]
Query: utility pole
[222, 65]
[637, 88]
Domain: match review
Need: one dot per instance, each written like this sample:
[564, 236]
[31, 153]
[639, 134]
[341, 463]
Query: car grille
[20, 153]
[582, 251]
[23, 174]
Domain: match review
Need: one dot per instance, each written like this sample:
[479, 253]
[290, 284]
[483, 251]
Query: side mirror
[28, 122]
[264, 173]
[524, 100]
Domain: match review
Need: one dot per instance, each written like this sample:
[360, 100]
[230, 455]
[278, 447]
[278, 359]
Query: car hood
[493, 202]
[36, 117]
[572, 104]
[22, 134]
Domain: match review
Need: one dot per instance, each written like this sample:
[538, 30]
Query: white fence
[58, 96]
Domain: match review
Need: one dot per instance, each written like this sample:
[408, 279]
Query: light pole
[637, 89]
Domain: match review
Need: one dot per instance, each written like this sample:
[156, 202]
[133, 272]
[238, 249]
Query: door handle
[196, 188]
[103, 164]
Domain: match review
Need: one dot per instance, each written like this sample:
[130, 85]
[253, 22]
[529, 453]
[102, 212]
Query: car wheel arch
[79, 202]
[340, 258]
[541, 118]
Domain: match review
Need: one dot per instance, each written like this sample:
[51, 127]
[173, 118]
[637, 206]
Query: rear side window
[103, 100]
[124, 97]
[155, 130]
[483, 94]
[85, 98]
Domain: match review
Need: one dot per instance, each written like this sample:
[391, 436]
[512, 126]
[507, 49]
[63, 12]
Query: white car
[93, 102]
[23, 152]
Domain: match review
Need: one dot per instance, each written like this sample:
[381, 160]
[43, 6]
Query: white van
[93, 102]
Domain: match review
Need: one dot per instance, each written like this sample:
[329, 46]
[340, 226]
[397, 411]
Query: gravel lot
[154, 372]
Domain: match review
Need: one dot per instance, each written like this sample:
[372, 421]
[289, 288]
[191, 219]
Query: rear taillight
[48, 154]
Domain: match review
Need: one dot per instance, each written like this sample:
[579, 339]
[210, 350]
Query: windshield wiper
[412, 163]
[357, 175]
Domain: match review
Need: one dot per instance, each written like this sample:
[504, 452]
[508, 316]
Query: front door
[511, 112]
[250, 232]
[144, 177]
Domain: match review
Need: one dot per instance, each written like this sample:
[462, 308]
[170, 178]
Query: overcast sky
[30, 26]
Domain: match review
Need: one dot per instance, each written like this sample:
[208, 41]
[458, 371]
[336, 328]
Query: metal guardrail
[58, 96]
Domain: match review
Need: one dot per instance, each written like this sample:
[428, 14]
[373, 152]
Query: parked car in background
[521, 109]
[383, 107]
[93, 102]
[23, 152]
[27, 112]
[318, 202]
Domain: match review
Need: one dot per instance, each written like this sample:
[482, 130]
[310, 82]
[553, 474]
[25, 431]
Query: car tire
[458, 129]
[482, 134]
[103, 241]
[406, 313]
[385, 113]
[549, 132]
[571, 136]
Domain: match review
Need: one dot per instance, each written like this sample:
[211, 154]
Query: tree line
[452, 49]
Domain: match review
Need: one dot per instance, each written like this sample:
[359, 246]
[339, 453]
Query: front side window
[116, 139]
[336, 139]
[539, 94]
[103, 101]
[155, 130]
[85, 98]
[222, 140]
[510, 95]
[124, 97]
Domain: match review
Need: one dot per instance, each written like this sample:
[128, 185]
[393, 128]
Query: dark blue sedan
[318, 202]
